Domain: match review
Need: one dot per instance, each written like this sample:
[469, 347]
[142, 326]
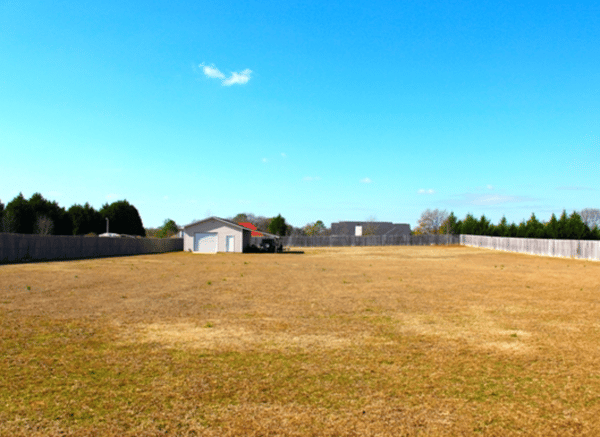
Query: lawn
[363, 341]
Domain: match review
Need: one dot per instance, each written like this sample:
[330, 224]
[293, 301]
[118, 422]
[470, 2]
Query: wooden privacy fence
[16, 248]
[370, 240]
[583, 249]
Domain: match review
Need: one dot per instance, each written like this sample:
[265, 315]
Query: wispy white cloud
[494, 199]
[311, 178]
[111, 196]
[212, 72]
[239, 78]
[366, 180]
[283, 155]
[424, 191]
[490, 187]
[265, 160]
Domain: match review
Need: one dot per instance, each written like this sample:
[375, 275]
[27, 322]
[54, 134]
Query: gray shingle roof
[230, 223]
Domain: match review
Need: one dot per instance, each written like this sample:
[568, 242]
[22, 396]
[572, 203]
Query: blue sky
[313, 110]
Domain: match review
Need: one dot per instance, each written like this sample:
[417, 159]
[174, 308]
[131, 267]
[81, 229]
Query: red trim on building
[250, 226]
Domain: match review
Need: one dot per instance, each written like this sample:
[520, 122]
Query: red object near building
[250, 226]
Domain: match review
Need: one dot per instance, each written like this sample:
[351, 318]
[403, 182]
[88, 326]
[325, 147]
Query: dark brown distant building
[369, 228]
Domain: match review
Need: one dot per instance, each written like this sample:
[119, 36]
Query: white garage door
[205, 243]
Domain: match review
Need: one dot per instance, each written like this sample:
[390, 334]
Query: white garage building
[215, 234]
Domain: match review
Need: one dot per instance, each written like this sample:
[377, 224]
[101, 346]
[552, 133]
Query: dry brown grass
[379, 341]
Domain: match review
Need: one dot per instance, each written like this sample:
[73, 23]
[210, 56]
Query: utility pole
[106, 225]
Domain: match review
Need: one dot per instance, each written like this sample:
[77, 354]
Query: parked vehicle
[271, 245]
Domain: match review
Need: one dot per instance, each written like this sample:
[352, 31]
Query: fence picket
[370, 240]
[581, 249]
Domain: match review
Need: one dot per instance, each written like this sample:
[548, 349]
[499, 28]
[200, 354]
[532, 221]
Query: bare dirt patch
[224, 337]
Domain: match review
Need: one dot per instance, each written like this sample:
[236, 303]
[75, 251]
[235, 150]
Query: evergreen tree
[1, 214]
[86, 220]
[483, 226]
[469, 225]
[50, 218]
[552, 228]
[450, 225]
[457, 228]
[513, 230]
[563, 226]
[19, 216]
[494, 230]
[123, 218]
[168, 229]
[278, 226]
[501, 230]
[577, 230]
[533, 228]
[522, 229]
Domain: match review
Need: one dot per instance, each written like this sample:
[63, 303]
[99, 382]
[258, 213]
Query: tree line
[582, 225]
[38, 215]
[579, 225]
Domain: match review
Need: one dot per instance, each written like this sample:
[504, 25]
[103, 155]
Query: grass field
[384, 341]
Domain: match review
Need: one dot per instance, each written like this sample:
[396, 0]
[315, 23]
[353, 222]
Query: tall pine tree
[483, 226]
[563, 226]
[19, 216]
[278, 226]
[469, 225]
[502, 229]
[533, 228]
[552, 228]
[86, 220]
[577, 230]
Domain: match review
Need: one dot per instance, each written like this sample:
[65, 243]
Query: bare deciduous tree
[262, 223]
[591, 217]
[431, 221]
[9, 222]
[44, 225]
[370, 228]
[315, 229]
